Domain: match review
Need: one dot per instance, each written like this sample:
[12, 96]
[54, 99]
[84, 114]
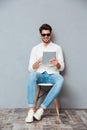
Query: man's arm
[59, 60]
[37, 63]
[58, 65]
[33, 62]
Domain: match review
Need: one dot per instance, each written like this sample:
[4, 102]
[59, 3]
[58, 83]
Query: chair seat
[45, 84]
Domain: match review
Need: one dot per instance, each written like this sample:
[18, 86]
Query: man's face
[46, 36]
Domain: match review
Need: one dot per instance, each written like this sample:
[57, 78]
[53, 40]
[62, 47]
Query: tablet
[47, 56]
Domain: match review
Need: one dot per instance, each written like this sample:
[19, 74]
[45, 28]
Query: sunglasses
[48, 34]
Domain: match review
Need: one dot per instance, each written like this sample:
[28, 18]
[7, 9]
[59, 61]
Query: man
[40, 73]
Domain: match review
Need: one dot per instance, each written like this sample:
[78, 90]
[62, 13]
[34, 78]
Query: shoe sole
[36, 118]
[29, 121]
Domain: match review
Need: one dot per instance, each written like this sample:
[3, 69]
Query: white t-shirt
[37, 52]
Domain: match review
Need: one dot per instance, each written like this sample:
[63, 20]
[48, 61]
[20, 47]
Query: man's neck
[46, 44]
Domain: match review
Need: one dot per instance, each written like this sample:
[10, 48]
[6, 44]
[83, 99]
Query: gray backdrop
[19, 23]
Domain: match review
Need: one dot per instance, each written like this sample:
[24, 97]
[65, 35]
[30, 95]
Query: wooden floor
[14, 119]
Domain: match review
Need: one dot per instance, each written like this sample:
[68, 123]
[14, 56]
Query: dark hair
[45, 27]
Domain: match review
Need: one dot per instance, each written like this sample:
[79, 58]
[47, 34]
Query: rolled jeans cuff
[31, 105]
[43, 106]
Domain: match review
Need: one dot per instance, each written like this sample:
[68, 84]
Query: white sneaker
[29, 117]
[38, 114]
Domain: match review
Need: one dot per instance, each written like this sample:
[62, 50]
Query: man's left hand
[55, 62]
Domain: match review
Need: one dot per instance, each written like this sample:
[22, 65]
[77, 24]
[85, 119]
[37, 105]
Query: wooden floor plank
[14, 119]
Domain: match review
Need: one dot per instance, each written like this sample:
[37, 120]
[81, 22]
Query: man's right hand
[37, 63]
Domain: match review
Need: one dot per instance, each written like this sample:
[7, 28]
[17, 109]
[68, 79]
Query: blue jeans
[35, 78]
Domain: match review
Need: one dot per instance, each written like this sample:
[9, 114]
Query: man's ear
[51, 34]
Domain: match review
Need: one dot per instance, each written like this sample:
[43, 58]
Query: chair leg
[37, 95]
[57, 106]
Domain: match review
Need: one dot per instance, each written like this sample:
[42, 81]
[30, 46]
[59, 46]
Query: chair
[45, 87]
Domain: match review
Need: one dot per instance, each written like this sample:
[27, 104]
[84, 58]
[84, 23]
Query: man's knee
[59, 79]
[62, 78]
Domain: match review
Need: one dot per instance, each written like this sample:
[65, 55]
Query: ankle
[41, 108]
[32, 108]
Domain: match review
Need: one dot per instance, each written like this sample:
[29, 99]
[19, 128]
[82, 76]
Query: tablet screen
[47, 56]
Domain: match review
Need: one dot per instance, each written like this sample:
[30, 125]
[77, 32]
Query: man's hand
[37, 63]
[55, 62]
[40, 60]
